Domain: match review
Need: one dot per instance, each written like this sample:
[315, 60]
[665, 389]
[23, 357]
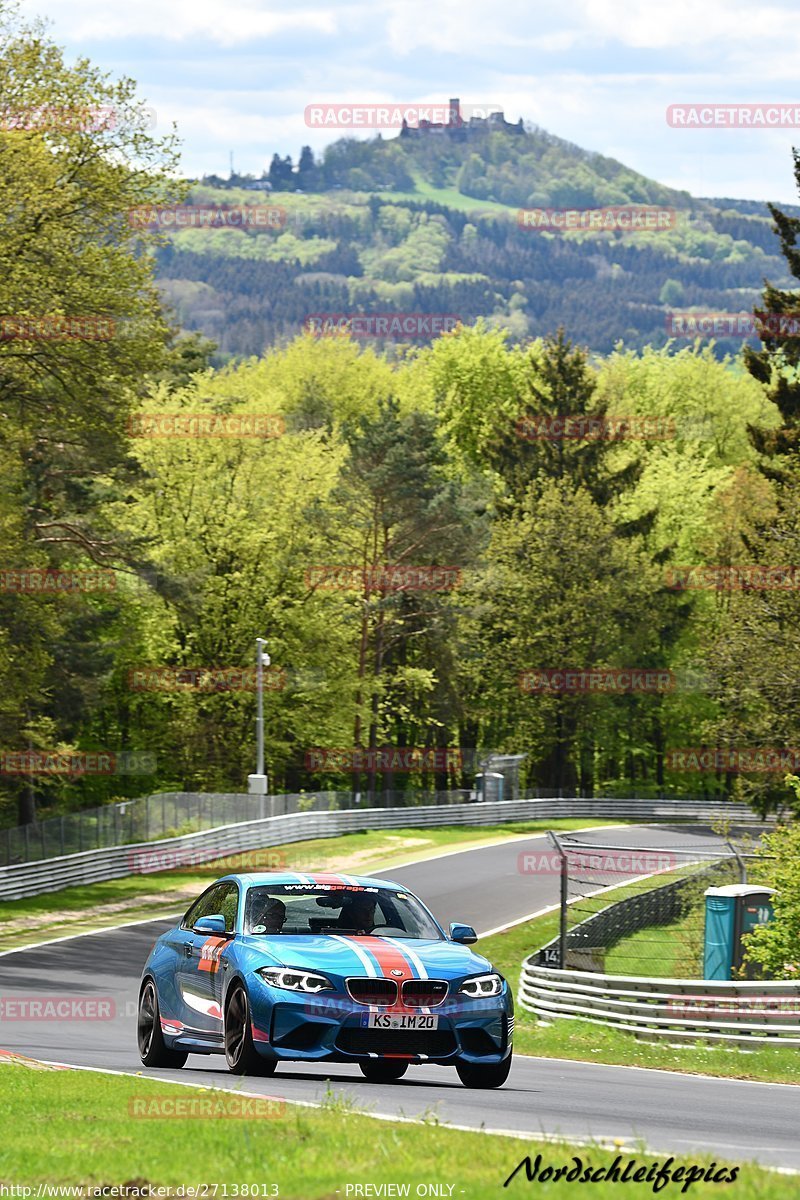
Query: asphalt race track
[669, 1113]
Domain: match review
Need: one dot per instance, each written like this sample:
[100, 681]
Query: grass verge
[673, 951]
[70, 1127]
[136, 897]
[586, 1042]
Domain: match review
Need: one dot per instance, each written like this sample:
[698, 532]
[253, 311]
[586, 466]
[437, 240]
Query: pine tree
[776, 364]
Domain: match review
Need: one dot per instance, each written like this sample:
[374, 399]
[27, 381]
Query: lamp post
[257, 784]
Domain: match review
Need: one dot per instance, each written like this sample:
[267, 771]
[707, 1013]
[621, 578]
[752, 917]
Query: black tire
[240, 1053]
[483, 1075]
[153, 1050]
[380, 1071]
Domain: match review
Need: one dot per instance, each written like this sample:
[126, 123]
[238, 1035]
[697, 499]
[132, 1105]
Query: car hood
[344, 956]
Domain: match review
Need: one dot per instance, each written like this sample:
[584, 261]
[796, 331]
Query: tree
[76, 159]
[280, 174]
[559, 590]
[400, 510]
[306, 169]
[775, 365]
[775, 947]
[672, 293]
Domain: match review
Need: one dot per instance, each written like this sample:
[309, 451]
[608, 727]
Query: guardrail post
[562, 929]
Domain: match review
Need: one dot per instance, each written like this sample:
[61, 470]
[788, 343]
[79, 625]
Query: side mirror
[462, 933]
[215, 924]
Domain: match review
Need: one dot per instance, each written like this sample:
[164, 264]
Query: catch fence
[636, 911]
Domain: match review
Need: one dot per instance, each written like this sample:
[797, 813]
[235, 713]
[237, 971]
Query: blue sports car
[323, 968]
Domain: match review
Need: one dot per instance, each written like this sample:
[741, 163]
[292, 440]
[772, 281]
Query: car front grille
[432, 1043]
[424, 993]
[372, 991]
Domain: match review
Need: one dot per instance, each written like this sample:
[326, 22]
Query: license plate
[398, 1021]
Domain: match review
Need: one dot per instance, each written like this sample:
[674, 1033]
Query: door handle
[187, 949]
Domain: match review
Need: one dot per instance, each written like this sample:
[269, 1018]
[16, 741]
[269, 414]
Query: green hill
[430, 223]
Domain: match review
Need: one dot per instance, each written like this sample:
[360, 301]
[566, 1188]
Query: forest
[510, 539]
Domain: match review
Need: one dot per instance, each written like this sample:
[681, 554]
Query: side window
[227, 902]
[205, 906]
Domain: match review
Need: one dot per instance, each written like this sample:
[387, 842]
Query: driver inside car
[270, 916]
[358, 913]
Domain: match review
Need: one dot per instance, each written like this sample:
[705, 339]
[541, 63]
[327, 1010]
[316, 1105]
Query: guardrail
[681, 1011]
[50, 875]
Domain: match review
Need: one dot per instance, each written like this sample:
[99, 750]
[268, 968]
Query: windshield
[318, 908]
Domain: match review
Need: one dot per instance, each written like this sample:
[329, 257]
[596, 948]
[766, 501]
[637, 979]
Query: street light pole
[257, 784]
[260, 717]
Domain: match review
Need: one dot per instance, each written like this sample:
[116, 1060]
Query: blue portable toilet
[489, 785]
[731, 912]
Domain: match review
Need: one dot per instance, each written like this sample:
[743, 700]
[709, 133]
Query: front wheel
[153, 1050]
[383, 1072]
[483, 1075]
[240, 1052]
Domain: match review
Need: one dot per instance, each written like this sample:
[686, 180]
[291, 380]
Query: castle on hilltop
[460, 128]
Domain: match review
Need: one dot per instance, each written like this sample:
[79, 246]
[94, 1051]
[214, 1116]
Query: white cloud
[224, 22]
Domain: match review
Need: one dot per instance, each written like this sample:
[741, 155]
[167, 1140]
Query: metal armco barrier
[673, 1010]
[52, 874]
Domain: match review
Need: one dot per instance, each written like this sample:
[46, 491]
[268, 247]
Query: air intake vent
[424, 993]
[373, 991]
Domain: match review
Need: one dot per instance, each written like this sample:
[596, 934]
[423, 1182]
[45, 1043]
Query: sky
[237, 75]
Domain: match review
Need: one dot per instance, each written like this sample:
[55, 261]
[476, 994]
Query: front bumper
[333, 1027]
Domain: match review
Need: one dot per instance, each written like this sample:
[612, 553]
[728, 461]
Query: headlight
[295, 980]
[482, 985]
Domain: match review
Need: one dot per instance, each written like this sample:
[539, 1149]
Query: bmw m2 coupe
[323, 968]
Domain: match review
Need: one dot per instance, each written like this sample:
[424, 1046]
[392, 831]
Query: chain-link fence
[171, 814]
[636, 910]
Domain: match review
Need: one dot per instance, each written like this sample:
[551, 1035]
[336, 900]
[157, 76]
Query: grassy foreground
[673, 951]
[71, 1127]
[94, 906]
[587, 1042]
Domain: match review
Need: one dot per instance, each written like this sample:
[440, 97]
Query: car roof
[323, 878]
